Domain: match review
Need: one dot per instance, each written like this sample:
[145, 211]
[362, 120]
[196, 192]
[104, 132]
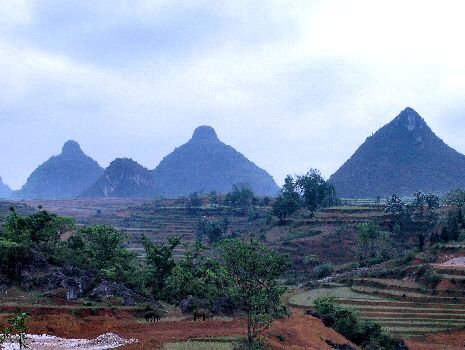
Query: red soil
[299, 331]
[444, 285]
[453, 340]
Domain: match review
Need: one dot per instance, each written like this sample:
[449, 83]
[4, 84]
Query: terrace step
[449, 270]
[391, 284]
[407, 296]
[373, 303]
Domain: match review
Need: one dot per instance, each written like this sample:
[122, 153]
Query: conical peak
[410, 119]
[71, 147]
[204, 133]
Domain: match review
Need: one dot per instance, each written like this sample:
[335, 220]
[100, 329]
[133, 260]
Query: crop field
[404, 308]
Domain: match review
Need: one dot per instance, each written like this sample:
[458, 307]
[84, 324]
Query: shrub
[367, 333]
[323, 270]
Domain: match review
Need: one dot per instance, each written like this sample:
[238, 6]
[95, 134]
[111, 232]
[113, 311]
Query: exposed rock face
[206, 164]
[64, 176]
[108, 289]
[402, 157]
[124, 178]
[5, 190]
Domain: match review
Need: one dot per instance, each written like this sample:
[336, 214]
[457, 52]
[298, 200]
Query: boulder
[106, 289]
[76, 282]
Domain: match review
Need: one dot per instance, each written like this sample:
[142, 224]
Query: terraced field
[404, 308]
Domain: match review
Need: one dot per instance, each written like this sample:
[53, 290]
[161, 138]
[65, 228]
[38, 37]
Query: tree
[460, 217]
[17, 329]
[421, 241]
[160, 261]
[194, 201]
[315, 191]
[455, 198]
[288, 201]
[445, 234]
[198, 275]
[254, 271]
[103, 249]
[241, 196]
[368, 232]
[213, 199]
[213, 229]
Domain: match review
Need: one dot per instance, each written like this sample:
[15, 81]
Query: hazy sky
[290, 84]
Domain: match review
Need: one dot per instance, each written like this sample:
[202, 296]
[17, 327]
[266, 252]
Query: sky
[292, 85]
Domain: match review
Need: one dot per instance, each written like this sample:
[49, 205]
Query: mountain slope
[64, 176]
[402, 157]
[123, 178]
[206, 164]
[5, 190]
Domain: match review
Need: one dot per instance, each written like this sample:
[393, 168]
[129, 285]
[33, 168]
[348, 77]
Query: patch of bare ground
[297, 332]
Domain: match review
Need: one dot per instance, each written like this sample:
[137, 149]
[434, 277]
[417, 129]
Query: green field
[226, 343]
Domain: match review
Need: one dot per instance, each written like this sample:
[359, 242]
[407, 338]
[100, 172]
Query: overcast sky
[290, 84]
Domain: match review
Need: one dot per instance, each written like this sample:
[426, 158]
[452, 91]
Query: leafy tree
[213, 199]
[160, 261]
[460, 217]
[102, 248]
[194, 201]
[455, 198]
[254, 271]
[213, 229]
[241, 196]
[21, 234]
[368, 232]
[198, 275]
[17, 330]
[288, 201]
[315, 191]
[445, 236]
[421, 241]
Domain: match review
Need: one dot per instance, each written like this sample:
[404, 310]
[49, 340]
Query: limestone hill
[5, 190]
[123, 178]
[64, 176]
[402, 157]
[206, 164]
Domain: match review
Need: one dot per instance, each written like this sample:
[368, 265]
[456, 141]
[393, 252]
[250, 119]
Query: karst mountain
[402, 157]
[206, 164]
[5, 190]
[124, 178]
[66, 175]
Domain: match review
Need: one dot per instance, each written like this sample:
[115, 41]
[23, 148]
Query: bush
[367, 333]
[323, 270]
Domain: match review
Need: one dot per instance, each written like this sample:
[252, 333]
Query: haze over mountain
[124, 178]
[5, 190]
[402, 157]
[206, 164]
[63, 176]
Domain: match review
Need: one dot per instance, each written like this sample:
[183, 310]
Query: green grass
[226, 343]
[307, 298]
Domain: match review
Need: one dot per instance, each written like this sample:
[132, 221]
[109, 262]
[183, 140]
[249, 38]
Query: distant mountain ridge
[5, 190]
[206, 164]
[66, 175]
[123, 178]
[402, 157]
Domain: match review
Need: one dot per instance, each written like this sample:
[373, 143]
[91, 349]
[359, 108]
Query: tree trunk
[249, 332]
